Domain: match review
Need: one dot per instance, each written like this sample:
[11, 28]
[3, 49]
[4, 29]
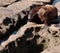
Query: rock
[11, 18]
[52, 50]
[57, 5]
[46, 1]
[43, 14]
[6, 2]
[17, 37]
[21, 5]
[18, 6]
[8, 21]
[32, 38]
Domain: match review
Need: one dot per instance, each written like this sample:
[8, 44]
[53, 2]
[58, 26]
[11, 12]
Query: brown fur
[45, 17]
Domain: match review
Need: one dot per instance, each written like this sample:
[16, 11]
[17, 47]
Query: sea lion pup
[43, 14]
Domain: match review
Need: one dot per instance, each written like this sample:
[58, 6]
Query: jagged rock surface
[32, 38]
[8, 21]
[55, 49]
[16, 15]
